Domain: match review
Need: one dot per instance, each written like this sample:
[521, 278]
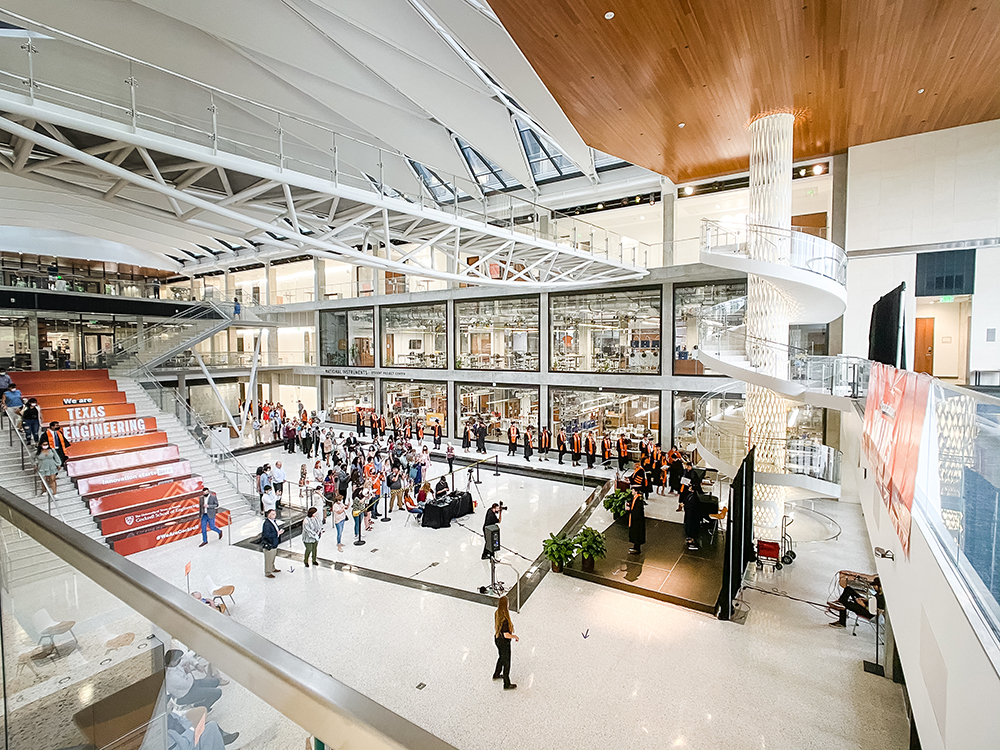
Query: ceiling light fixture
[818, 169]
[680, 124]
[802, 172]
[609, 15]
[920, 91]
[642, 218]
[688, 190]
[600, 206]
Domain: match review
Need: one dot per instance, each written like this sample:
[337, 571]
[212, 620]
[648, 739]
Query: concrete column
[33, 346]
[268, 299]
[668, 196]
[319, 279]
[544, 333]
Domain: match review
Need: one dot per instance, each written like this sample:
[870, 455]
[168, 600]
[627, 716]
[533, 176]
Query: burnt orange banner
[66, 387]
[150, 516]
[112, 462]
[87, 413]
[77, 398]
[170, 533]
[133, 477]
[94, 438]
[116, 502]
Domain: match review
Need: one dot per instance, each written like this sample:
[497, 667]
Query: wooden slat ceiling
[852, 68]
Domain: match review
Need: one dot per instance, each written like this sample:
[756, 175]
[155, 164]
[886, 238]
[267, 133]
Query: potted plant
[617, 502]
[559, 550]
[591, 544]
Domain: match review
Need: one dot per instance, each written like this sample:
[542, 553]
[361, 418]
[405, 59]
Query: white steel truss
[249, 210]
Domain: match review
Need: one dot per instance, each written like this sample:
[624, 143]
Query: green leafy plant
[559, 550]
[590, 543]
[617, 502]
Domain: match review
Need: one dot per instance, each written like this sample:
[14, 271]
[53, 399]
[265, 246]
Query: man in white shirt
[278, 478]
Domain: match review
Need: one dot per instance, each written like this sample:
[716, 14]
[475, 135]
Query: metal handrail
[312, 699]
[137, 342]
[28, 462]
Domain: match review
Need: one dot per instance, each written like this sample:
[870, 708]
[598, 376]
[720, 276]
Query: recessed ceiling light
[818, 169]
[680, 124]
[802, 172]
[920, 91]
[600, 206]
[609, 15]
[688, 190]
[642, 218]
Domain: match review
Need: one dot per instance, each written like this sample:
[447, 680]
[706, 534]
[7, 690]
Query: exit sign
[948, 298]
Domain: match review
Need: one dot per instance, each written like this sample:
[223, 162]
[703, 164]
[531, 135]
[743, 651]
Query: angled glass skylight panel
[440, 190]
[491, 177]
[607, 161]
[546, 161]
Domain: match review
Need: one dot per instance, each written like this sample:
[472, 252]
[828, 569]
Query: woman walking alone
[503, 634]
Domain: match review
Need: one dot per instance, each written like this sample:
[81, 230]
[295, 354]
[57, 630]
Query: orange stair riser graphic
[86, 467]
[170, 533]
[77, 398]
[129, 500]
[165, 512]
[133, 478]
[111, 437]
[80, 414]
[51, 376]
[67, 388]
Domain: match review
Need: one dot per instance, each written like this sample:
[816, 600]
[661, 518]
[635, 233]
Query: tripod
[497, 587]
[473, 484]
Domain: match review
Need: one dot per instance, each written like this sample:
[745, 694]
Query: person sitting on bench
[853, 600]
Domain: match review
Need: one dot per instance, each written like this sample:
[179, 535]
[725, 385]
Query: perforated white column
[770, 219]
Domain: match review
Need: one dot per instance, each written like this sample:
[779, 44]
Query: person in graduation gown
[577, 447]
[561, 444]
[607, 450]
[622, 452]
[691, 502]
[636, 522]
[481, 437]
[591, 446]
[675, 470]
[512, 435]
[544, 443]
[467, 438]
[361, 423]
[658, 470]
[529, 444]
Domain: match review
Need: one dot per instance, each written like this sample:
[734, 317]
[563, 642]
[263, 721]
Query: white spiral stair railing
[811, 467]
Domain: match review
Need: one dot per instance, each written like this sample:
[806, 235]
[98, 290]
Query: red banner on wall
[894, 423]
[170, 533]
[150, 516]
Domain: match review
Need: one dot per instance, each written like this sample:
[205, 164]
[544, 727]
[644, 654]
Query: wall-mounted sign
[363, 372]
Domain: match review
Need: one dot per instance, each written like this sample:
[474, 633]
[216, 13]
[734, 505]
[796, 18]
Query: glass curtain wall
[415, 336]
[347, 338]
[15, 340]
[498, 407]
[692, 303]
[293, 282]
[421, 402]
[606, 412]
[342, 397]
[606, 332]
[497, 334]
[684, 436]
[248, 284]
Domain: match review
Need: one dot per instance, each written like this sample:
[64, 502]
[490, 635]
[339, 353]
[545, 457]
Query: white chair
[49, 628]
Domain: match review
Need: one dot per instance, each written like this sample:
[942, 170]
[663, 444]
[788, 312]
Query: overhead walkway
[257, 183]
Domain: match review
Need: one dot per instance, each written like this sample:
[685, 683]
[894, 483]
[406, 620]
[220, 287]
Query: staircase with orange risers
[133, 475]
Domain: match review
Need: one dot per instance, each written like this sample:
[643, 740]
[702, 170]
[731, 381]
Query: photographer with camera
[493, 516]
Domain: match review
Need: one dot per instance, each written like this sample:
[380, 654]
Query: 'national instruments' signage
[367, 372]
[894, 422]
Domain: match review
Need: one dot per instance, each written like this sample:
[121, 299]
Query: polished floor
[595, 666]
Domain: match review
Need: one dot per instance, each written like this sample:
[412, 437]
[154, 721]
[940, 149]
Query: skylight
[441, 190]
[491, 177]
[547, 162]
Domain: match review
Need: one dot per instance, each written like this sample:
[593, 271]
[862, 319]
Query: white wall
[950, 679]
[985, 355]
[867, 280]
[949, 334]
[942, 186]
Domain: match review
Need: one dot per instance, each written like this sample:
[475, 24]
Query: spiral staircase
[811, 274]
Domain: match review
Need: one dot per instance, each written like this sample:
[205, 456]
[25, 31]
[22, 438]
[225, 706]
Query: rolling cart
[777, 554]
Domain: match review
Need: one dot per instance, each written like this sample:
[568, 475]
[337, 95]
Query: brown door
[923, 357]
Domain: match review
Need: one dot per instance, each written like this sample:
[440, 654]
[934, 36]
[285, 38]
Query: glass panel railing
[99, 653]
[166, 335]
[720, 428]
[783, 246]
[956, 498]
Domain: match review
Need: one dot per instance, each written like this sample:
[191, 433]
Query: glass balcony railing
[99, 653]
[782, 246]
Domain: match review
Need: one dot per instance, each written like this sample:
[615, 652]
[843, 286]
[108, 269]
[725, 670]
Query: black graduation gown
[675, 471]
[637, 521]
[481, 438]
[528, 450]
[466, 438]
